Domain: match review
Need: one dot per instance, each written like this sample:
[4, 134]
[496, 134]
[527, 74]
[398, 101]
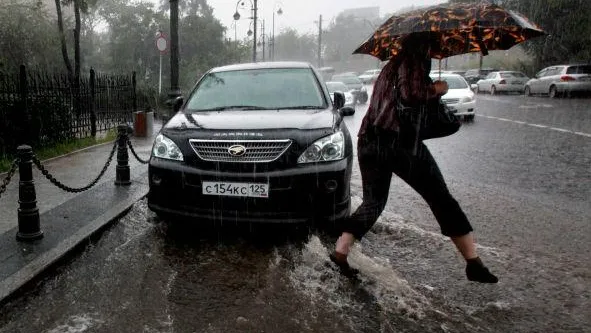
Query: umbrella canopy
[459, 28]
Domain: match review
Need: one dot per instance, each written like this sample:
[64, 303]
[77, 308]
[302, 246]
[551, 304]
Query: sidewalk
[66, 218]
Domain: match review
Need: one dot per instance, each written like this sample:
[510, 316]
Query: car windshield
[336, 86]
[586, 69]
[453, 82]
[269, 88]
[512, 74]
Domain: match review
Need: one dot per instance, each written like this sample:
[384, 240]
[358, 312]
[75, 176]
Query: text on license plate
[256, 190]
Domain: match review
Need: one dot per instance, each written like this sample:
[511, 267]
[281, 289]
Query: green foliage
[27, 35]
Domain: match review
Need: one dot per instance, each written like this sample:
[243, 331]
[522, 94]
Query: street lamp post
[254, 9]
[279, 12]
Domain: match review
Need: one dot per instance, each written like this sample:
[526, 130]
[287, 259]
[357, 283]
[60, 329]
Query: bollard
[122, 175]
[29, 227]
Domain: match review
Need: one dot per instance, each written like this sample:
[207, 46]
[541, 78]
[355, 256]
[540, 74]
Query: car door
[486, 82]
[535, 86]
[552, 75]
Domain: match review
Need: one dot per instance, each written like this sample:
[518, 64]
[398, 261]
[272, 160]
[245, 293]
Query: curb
[31, 270]
[71, 153]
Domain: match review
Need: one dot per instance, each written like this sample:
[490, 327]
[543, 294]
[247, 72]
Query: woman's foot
[340, 260]
[477, 272]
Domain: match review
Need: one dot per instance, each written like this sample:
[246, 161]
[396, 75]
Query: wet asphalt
[520, 171]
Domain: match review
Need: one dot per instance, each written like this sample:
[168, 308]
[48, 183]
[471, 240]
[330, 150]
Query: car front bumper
[296, 195]
[463, 109]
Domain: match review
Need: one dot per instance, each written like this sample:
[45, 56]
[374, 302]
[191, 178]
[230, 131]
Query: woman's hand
[441, 87]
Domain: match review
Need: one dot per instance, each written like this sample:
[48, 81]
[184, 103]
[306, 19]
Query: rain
[257, 167]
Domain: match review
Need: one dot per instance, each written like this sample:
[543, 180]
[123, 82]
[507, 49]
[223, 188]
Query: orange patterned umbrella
[460, 28]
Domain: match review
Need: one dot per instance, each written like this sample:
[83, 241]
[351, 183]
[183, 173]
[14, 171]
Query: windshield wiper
[235, 107]
[301, 107]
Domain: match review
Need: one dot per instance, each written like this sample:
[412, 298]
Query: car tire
[527, 91]
[553, 92]
[363, 99]
[469, 118]
[493, 90]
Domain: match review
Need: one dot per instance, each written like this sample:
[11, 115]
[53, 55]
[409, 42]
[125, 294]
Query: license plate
[230, 189]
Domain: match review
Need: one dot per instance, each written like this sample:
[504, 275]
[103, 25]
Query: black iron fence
[39, 108]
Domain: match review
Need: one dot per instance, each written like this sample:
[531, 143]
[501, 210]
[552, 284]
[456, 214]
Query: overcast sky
[300, 14]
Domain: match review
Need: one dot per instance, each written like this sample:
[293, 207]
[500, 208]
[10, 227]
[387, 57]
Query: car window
[258, 88]
[490, 76]
[512, 74]
[336, 86]
[553, 71]
[348, 79]
[583, 69]
[453, 82]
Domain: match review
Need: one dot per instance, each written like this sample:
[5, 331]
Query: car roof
[446, 74]
[327, 82]
[262, 65]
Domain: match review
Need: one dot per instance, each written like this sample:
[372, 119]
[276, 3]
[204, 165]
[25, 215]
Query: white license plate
[230, 189]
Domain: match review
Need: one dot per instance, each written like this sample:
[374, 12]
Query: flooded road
[525, 189]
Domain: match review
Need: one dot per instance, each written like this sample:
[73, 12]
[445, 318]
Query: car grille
[451, 100]
[256, 151]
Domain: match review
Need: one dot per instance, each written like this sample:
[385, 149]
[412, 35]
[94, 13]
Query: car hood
[458, 93]
[253, 120]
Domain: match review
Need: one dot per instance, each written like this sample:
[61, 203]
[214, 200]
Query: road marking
[538, 125]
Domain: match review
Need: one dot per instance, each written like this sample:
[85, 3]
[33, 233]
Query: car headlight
[348, 98]
[329, 148]
[166, 148]
[467, 99]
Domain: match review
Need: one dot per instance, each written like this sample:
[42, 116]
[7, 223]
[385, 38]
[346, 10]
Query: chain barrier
[11, 173]
[142, 161]
[66, 188]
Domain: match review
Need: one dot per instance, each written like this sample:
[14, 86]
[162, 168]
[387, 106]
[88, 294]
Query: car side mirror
[339, 100]
[347, 111]
[474, 86]
[176, 103]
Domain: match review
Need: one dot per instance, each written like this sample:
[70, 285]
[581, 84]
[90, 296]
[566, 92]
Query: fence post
[122, 171]
[29, 227]
[92, 103]
[24, 133]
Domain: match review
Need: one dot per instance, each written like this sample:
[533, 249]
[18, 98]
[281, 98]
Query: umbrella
[459, 28]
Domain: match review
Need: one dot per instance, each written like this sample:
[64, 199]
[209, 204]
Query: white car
[561, 80]
[370, 76]
[459, 98]
[334, 86]
[502, 81]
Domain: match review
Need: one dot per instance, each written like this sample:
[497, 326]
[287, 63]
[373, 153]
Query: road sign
[161, 43]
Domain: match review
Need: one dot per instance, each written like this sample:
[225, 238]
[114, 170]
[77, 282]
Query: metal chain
[8, 177]
[135, 154]
[71, 189]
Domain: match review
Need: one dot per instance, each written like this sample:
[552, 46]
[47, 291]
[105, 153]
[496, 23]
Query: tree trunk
[77, 41]
[60, 25]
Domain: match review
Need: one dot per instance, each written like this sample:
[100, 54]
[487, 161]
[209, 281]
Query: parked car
[561, 80]
[370, 76]
[459, 98]
[503, 81]
[326, 72]
[473, 75]
[254, 143]
[334, 87]
[355, 85]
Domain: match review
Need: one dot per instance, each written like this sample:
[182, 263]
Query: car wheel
[469, 118]
[363, 99]
[527, 91]
[553, 93]
[493, 90]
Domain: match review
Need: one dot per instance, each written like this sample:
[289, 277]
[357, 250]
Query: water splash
[78, 324]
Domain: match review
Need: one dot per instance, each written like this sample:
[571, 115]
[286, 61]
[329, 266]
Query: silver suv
[561, 80]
